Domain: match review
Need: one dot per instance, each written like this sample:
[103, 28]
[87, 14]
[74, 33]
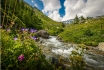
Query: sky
[62, 10]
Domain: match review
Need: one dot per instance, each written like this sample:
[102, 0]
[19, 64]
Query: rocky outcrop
[101, 46]
[43, 34]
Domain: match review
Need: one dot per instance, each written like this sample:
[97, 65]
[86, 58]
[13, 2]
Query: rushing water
[54, 48]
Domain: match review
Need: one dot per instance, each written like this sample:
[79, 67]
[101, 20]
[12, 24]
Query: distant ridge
[68, 21]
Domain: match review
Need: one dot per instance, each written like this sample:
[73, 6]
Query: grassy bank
[90, 32]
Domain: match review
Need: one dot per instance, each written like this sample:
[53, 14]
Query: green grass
[90, 33]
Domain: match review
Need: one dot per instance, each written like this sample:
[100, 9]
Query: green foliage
[55, 31]
[63, 25]
[82, 18]
[23, 45]
[20, 14]
[90, 32]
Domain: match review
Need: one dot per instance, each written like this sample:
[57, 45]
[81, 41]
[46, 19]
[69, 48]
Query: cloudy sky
[61, 10]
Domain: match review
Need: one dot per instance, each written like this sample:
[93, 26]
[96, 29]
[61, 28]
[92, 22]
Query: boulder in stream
[43, 34]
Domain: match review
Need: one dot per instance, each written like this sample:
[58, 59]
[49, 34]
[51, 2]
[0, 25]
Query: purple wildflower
[22, 29]
[21, 57]
[26, 29]
[33, 30]
[34, 37]
[15, 38]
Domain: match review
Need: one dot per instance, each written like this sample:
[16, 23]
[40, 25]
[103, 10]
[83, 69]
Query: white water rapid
[54, 48]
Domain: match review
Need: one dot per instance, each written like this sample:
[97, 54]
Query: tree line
[17, 14]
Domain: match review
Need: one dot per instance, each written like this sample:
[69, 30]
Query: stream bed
[54, 48]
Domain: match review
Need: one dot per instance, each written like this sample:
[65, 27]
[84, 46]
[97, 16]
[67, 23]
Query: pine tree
[82, 18]
[76, 20]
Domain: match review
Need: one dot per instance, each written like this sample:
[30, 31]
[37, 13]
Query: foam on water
[60, 48]
[63, 51]
[53, 40]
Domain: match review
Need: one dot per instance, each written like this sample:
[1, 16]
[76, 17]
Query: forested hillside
[19, 14]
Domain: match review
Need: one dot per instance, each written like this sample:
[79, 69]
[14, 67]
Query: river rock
[43, 34]
[57, 64]
[101, 46]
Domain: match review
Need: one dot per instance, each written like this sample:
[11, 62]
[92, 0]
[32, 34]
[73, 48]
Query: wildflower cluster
[22, 51]
[33, 30]
[27, 29]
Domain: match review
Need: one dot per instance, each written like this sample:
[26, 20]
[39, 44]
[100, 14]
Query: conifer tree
[76, 20]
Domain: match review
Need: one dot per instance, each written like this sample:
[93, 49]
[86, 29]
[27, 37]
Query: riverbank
[90, 33]
[54, 48]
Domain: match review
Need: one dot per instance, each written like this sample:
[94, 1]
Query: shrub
[88, 32]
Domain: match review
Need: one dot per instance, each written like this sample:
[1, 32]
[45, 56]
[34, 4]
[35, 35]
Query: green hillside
[18, 14]
[90, 32]
[50, 25]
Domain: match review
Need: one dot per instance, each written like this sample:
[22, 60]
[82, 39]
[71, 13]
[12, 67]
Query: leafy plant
[76, 58]
[20, 52]
[88, 32]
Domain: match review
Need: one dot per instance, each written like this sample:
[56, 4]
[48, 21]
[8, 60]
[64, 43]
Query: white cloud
[50, 5]
[51, 8]
[94, 8]
[55, 15]
[72, 8]
[78, 7]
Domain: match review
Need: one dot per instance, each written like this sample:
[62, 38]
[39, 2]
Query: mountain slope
[19, 14]
[50, 25]
[90, 32]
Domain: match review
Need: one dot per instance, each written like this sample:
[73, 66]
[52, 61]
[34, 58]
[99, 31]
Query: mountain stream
[54, 48]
